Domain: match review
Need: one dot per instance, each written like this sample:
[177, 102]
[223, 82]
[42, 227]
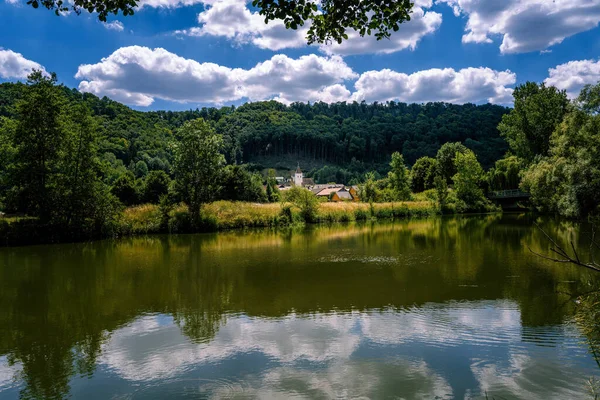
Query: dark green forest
[71, 162]
[333, 142]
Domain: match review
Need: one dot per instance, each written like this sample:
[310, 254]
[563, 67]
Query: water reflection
[452, 308]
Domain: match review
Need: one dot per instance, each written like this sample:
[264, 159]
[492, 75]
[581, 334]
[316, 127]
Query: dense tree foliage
[568, 180]
[446, 158]
[423, 173]
[55, 173]
[336, 142]
[467, 183]
[538, 110]
[327, 19]
[198, 160]
[399, 177]
[240, 185]
[505, 174]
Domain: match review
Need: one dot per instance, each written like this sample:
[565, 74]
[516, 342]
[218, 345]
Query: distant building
[280, 180]
[298, 176]
[338, 193]
[300, 180]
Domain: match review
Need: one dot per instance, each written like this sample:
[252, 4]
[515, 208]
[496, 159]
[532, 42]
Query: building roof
[329, 190]
[298, 170]
[308, 182]
[342, 194]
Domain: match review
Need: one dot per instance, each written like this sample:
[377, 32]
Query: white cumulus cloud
[137, 75]
[14, 65]
[233, 20]
[466, 85]
[574, 75]
[525, 25]
[407, 37]
[114, 26]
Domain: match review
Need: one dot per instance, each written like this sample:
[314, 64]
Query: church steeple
[298, 176]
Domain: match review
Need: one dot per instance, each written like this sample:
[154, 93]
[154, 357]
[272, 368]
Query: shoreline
[149, 219]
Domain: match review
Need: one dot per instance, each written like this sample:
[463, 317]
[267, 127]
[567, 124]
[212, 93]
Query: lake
[444, 308]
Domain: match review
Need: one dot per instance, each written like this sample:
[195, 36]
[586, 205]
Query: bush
[305, 200]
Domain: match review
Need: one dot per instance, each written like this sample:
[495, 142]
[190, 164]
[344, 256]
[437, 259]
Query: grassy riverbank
[220, 215]
[224, 215]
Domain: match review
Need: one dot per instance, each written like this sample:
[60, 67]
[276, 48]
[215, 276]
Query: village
[327, 192]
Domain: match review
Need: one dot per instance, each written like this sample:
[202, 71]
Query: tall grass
[223, 215]
[220, 215]
[343, 212]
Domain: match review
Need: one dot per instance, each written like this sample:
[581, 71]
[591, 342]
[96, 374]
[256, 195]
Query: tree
[328, 19]
[368, 191]
[589, 99]
[467, 179]
[505, 174]
[124, 188]
[7, 154]
[238, 184]
[272, 190]
[305, 200]
[86, 204]
[141, 169]
[100, 7]
[537, 112]
[423, 173]
[441, 189]
[156, 185]
[399, 177]
[568, 181]
[198, 161]
[446, 157]
[38, 140]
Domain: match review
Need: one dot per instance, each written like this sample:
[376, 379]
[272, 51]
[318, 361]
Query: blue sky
[181, 54]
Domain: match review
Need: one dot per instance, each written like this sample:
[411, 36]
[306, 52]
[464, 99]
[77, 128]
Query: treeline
[554, 154]
[340, 142]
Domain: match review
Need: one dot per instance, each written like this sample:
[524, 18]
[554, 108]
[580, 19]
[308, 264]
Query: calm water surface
[441, 308]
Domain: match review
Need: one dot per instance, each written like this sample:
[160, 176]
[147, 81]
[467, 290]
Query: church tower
[298, 176]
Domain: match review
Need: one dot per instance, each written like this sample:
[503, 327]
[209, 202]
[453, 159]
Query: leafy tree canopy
[329, 19]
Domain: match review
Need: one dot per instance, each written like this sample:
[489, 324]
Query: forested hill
[346, 138]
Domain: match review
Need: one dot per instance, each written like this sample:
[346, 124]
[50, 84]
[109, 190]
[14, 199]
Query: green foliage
[238, 184]
[467, 180]
[399, 177]
[7, 155]
[328, 19]
[446, 158]
[441, 189]
[368, 190]
[100, 7]
[198, 161]
[272, 191]
[124, 188]
[568, 181]
[53, 172]
[305, 200]
[423, 173]
[537, 111]
[339, 141]
[505, 175]
[39, 142]
[141, 169]
[589, 99]
[156, 185]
